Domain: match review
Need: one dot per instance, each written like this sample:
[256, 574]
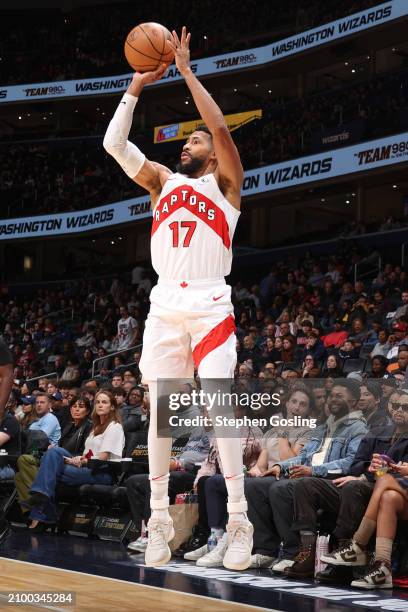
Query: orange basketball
[145, 47]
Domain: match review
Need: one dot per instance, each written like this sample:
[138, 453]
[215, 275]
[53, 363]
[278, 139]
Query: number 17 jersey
[192, 230]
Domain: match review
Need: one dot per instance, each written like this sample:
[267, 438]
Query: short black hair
[203, 128]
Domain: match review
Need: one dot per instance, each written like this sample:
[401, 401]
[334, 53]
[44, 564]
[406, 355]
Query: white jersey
[192, 230]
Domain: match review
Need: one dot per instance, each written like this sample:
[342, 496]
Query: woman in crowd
[333, 367]
[73, 438]
[132, 409]
[309, 368]
[105, 442]
[288, 349]
[388, 505]
[379, 365]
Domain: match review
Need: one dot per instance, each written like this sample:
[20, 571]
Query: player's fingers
[176, 38]
[171, 45]
[188, 39]
[183, 35]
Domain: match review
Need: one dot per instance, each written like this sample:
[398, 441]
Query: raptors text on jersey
[192, 230]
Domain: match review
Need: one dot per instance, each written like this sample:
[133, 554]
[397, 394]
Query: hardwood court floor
[98, 594]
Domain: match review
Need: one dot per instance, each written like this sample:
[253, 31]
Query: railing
[371, 270]
[48, 375]
[126, 350]
[403, 255]
[51, 315]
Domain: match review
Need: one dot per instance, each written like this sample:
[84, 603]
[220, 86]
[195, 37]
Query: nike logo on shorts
[218, 298]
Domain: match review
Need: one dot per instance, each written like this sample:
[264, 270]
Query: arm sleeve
[116, 142]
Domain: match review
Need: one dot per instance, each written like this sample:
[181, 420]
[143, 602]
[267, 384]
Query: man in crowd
[47, 422]
[127, 329]
[345, 497]
[331, 450]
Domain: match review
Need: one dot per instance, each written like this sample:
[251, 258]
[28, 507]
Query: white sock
[161, 515]
[159, 455]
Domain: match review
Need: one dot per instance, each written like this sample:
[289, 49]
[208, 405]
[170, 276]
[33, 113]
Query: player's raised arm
[230, 172]
[145, 173]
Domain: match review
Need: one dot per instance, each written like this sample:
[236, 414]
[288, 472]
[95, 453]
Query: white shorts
[190, 324]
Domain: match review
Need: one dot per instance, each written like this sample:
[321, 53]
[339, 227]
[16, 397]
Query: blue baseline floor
[254, 587]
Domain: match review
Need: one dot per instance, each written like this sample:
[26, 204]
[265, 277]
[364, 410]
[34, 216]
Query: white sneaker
[215, 557]
[259, 560]
[240, 542]
[196, 554]
[350, 554]
[281, 565]
[157, 550]
[378, 576]
[138, 545]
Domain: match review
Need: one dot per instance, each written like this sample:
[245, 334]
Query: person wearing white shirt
[105, 442]
[127, 329]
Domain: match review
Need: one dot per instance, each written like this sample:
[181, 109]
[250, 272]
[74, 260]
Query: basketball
[145, 47]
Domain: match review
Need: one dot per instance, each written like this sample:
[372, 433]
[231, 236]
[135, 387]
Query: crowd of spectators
[46, 177]
[52, 45]
[305, 329]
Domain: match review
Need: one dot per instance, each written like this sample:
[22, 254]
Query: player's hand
[140, 79]
[181, 49]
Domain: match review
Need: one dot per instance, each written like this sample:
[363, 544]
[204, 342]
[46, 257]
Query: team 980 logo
[384, 152]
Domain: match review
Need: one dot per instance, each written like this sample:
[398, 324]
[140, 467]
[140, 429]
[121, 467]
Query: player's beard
[193, 165]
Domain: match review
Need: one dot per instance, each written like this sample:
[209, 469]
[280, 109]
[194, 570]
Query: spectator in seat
[398, 369]
[379, 365]
[117, 380]
[358, 333]
[402, 310]
[47, 422]
[73, 438]
[347, 497]
[399, 330]
[105, 442]
[182, 474]
[71, 372]
[336, 337]
[382, 346]
[331, 448]
[10, 441]
[132, 409]
[348, 350]
[288, 349]
[310, 368]
[334, 368]
[369, 404]
[314, 346]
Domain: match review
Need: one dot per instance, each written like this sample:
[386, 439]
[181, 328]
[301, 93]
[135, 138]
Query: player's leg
[215, 357]
[166, 354]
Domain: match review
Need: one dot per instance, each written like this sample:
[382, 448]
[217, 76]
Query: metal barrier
[131, 348]
[49, 375]
[374, 269]
[403, 253]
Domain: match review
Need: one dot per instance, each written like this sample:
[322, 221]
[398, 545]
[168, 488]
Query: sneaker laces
[303, 555]
[156, 534]
[347, 545]
[238, 534]
[375, 568]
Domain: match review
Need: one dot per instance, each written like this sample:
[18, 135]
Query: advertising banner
[348, 160]
[304, 41]
[181, 131]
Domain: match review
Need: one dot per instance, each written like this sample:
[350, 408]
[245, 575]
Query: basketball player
[195, 212]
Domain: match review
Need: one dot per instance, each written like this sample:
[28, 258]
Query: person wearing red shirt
[336, 337]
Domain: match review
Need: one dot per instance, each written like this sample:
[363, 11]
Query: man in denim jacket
[330, 450]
